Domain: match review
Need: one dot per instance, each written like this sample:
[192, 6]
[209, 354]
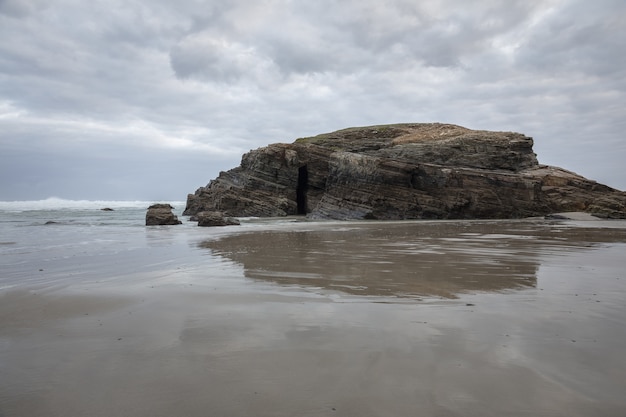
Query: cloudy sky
[150, 99]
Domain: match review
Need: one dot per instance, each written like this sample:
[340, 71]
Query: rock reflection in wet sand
[405, 259]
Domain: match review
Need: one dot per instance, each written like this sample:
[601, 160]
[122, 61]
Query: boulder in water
[161, 214]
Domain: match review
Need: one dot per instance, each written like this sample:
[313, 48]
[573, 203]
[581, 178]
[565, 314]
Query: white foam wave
[54, 203]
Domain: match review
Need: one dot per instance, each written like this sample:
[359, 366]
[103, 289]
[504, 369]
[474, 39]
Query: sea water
[56, 241]
[60, 243]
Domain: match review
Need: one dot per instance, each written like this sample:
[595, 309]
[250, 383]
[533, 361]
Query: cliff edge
[403, 171]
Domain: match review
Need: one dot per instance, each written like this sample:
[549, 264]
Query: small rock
[215, 218]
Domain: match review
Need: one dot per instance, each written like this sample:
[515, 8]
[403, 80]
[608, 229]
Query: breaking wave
[54, 203]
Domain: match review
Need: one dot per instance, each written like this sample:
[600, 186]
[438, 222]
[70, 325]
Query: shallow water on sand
[288, 317]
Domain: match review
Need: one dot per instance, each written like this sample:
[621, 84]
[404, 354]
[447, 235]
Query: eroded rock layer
[406, 171]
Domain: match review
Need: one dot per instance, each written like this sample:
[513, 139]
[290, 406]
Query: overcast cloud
[150, 99]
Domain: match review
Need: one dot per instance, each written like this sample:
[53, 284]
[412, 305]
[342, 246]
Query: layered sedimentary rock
[406, 171]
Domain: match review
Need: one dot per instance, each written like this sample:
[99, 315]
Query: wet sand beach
[294, 318]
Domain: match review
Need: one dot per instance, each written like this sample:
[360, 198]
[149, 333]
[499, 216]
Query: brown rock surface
[405, 171]
[214, 218]
[161, 214]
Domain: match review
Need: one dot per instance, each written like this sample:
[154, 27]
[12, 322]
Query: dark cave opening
[301, 190]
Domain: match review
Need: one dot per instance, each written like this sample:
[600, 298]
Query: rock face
[406, 171]
[161, 214]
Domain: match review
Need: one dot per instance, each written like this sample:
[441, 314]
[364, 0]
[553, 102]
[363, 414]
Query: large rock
[161, 214]
[406, 171]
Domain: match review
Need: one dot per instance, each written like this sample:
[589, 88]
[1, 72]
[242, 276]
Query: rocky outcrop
[161, 214]
[406, 171]
[214, 218]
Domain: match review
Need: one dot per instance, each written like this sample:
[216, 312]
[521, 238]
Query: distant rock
[106, 209]
[557, 217]
[404, 171]
[161, 214]
[214, 218]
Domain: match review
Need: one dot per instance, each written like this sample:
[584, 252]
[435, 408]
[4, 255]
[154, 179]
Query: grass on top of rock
[368, 132]
[396, 134]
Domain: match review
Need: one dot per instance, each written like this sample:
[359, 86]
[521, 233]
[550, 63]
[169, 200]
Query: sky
[151, 99]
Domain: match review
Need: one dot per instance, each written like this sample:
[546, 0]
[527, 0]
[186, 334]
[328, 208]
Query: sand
[439, 319]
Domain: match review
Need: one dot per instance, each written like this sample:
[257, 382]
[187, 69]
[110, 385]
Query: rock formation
[404, 171]
[214, 218]
[161, 214]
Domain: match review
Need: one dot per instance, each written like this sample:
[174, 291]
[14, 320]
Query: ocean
[101, 315]
[60, 242]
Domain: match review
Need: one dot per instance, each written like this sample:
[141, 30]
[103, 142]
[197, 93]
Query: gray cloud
[196, 81]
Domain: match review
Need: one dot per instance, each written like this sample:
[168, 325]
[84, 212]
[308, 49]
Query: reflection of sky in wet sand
[407, 259]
